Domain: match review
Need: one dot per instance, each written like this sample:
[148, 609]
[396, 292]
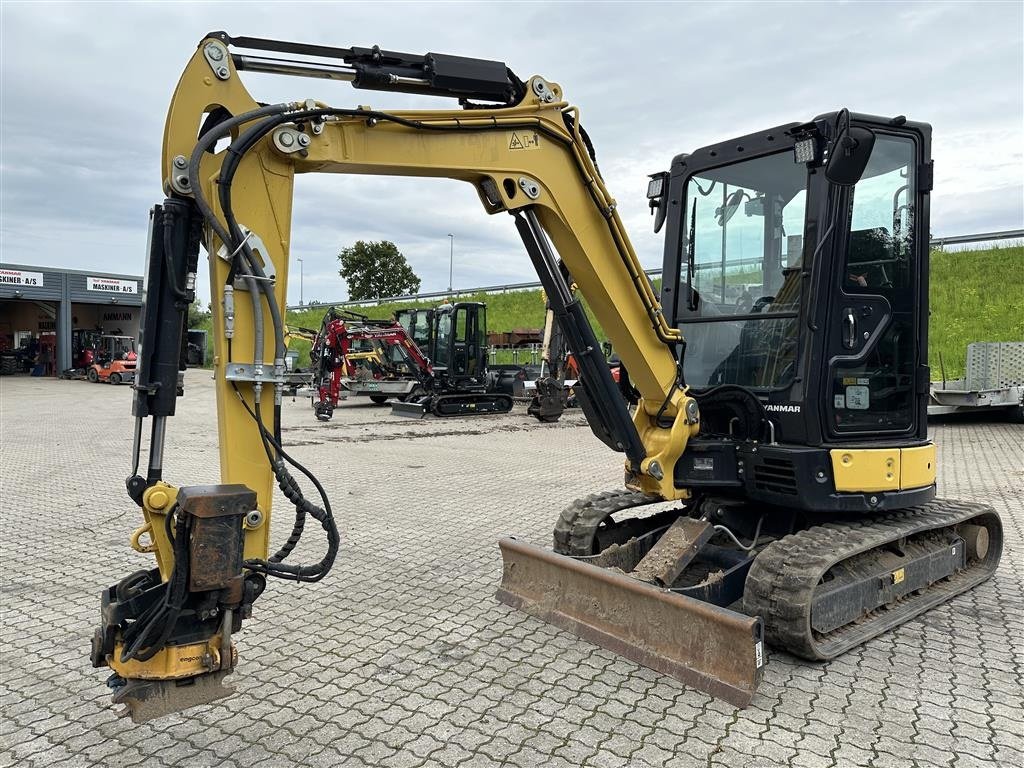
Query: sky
[85, 89]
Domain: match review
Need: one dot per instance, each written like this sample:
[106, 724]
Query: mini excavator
[454, 338]
[781, 370]
[443, 373]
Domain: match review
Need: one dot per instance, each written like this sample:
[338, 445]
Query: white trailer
[995, 379]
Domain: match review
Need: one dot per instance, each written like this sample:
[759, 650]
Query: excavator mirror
[849, 156]
[732, 204]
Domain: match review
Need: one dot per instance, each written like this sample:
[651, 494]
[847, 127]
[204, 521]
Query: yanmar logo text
[783, 407]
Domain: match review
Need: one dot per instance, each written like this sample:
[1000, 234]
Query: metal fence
[938, 242]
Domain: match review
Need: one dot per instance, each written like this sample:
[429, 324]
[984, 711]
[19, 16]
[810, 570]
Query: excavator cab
[803, 302]
[418, 323]
[459, 349]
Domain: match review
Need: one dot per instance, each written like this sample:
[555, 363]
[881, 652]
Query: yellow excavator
[781, 369]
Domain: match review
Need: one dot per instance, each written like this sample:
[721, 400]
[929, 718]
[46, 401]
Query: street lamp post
[300, 283]
[451, 259]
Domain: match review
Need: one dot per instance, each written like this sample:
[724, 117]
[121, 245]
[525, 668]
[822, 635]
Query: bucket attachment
[147, 700]
[707, 647]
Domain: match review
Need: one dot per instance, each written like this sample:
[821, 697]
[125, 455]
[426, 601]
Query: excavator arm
[167, 633]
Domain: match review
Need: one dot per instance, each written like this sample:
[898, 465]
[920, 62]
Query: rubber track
[578, 523]
[781, 583]
[505, 401]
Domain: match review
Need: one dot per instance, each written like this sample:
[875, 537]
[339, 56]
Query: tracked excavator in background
[454, 338]
[381, 360]
[782, 373]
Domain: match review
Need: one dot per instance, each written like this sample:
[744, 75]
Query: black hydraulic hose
[291, 490]
[236, 150]
[205, 143]
[300, 514]
[325, 516]
[249, 265]
[148, 635]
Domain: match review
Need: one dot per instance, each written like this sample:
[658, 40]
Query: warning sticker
[858, 398]
[523, 140]
[840, 401]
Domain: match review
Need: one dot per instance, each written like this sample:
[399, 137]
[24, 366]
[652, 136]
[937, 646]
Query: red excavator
[380, 359]
[363, 357]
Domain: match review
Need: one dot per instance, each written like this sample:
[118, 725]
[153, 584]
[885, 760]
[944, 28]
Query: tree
[196, 316]
[376, 270]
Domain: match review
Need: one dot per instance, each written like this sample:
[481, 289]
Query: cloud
[86, 87]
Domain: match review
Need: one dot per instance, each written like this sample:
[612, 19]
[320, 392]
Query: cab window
[741, 275]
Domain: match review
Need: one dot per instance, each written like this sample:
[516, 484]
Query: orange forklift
[114, 360]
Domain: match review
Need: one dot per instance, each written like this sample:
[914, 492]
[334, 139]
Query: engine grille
[775, 476]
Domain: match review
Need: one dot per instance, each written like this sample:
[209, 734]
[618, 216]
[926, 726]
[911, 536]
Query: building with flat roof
[44, 306]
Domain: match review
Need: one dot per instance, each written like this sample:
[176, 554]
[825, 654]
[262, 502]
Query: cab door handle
[849, 329]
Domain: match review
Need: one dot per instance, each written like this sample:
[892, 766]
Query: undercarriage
[730, 576]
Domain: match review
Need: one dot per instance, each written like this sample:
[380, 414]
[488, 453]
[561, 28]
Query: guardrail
[938, 242]
[983, 237]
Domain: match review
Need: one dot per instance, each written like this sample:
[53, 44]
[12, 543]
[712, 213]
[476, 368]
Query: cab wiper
[691, 250]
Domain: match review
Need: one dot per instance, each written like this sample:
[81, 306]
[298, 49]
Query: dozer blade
[709, 648]
[147, 700]
[410, 410]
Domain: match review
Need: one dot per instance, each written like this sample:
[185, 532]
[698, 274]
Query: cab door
[877, 338]
[468, 351]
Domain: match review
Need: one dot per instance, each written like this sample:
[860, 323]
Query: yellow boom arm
[518, 158]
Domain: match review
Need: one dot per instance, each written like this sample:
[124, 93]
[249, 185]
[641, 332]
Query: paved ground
[403, 658]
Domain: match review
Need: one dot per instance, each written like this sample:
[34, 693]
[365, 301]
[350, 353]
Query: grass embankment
[975, 296]
[505, 312]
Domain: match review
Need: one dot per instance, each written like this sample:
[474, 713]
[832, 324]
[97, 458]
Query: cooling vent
[775, 476]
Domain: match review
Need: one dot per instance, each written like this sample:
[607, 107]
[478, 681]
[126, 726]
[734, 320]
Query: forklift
[114, 360]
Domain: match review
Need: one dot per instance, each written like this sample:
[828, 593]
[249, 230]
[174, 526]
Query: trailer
[994, 380]
[378, 390]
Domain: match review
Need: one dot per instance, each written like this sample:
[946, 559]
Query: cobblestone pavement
[403, 658]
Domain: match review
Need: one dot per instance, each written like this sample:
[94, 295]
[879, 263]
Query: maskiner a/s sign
[18, 277]
[112, 285]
